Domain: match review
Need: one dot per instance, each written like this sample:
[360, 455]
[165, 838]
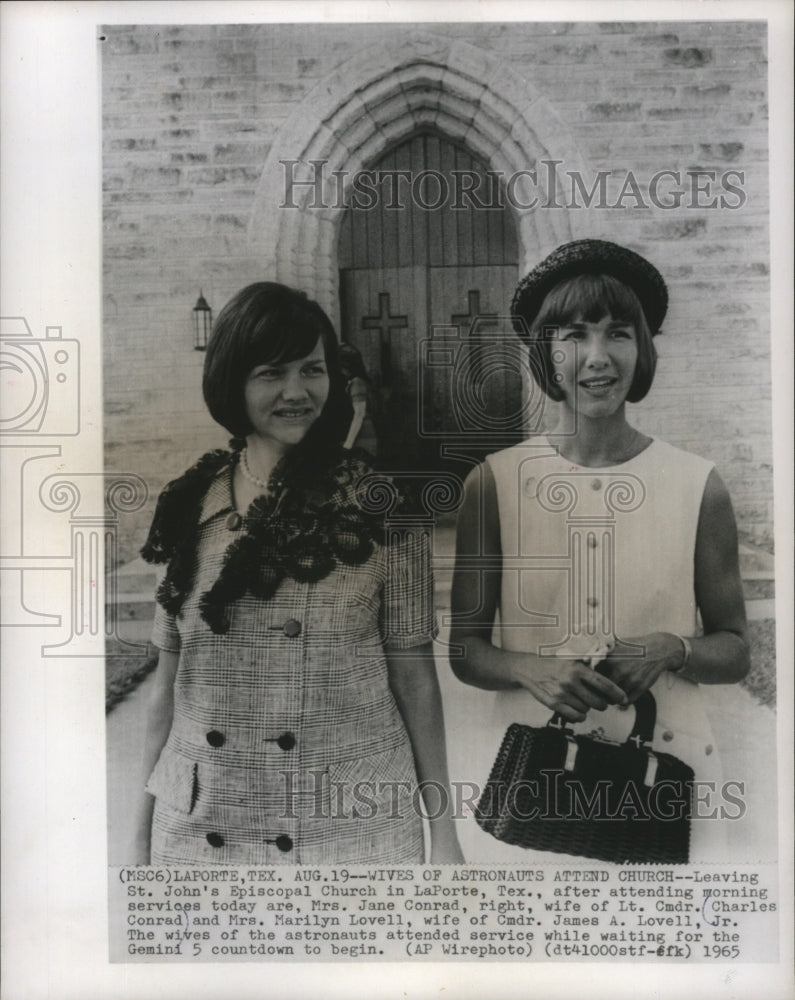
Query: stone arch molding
[451, 86]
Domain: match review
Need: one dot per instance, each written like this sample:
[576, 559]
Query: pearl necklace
[246, 470]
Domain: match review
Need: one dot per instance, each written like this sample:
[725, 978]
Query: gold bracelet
[688, 650]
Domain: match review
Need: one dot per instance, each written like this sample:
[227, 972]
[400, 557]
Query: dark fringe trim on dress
[292, 531]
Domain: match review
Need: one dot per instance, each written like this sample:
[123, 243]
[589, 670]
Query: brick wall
[195, 120]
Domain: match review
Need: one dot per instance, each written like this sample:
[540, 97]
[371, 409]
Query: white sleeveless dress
[589, 553]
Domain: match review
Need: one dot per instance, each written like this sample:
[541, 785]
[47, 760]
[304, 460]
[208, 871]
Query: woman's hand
[568, 687]
[634, 671]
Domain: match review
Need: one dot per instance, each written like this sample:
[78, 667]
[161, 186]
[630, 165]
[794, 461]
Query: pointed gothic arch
[361, 109]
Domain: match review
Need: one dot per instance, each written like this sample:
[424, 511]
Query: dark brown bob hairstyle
[589, 298]
[269, 323]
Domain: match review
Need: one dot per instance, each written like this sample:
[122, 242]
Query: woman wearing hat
[603, 546]
[295, 710]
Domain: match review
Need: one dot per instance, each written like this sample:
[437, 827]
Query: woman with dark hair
[605, 547]
[295, 703]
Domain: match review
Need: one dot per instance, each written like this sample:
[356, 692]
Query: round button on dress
[233, 521]
[215, 840]
[284, 843]
[215, 739]
[286, 741]
[291, 628]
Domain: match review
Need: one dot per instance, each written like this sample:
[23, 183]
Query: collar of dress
[297, 533]
[218, 498]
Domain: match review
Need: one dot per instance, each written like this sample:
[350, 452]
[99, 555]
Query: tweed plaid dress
[287, 745]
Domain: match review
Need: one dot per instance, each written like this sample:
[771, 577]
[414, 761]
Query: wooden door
[384, 315]
[425, 295]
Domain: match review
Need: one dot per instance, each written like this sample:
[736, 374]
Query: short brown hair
[266, 323]
[589, 297]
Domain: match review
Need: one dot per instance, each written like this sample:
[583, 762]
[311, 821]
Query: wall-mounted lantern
[202, 323]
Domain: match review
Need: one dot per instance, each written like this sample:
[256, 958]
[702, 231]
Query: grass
[761, 679]
[123, 674]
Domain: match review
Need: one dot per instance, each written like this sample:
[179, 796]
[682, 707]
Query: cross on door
[466, 319]
[475, 348]
[384, 323]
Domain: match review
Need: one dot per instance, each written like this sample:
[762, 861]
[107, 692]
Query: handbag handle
[645, 719]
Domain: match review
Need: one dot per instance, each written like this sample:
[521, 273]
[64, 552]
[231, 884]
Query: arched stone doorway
[375, 100]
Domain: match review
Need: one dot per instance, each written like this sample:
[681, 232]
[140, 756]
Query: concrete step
[758, 572]
[755, 563]
[759, 590]
[136, 577]
[131, 603]
[131, 600]
[131, 639]
[757, 611]
[135, 607]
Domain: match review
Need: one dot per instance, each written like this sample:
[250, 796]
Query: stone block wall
[196, 118]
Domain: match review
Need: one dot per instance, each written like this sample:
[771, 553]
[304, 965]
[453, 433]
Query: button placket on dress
[286, 638]
[279, 829]
[289, 634]
[590, 537]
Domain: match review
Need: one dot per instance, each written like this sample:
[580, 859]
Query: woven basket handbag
[553, 790]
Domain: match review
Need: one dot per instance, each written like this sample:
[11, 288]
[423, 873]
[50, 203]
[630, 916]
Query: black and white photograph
[396, 488]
